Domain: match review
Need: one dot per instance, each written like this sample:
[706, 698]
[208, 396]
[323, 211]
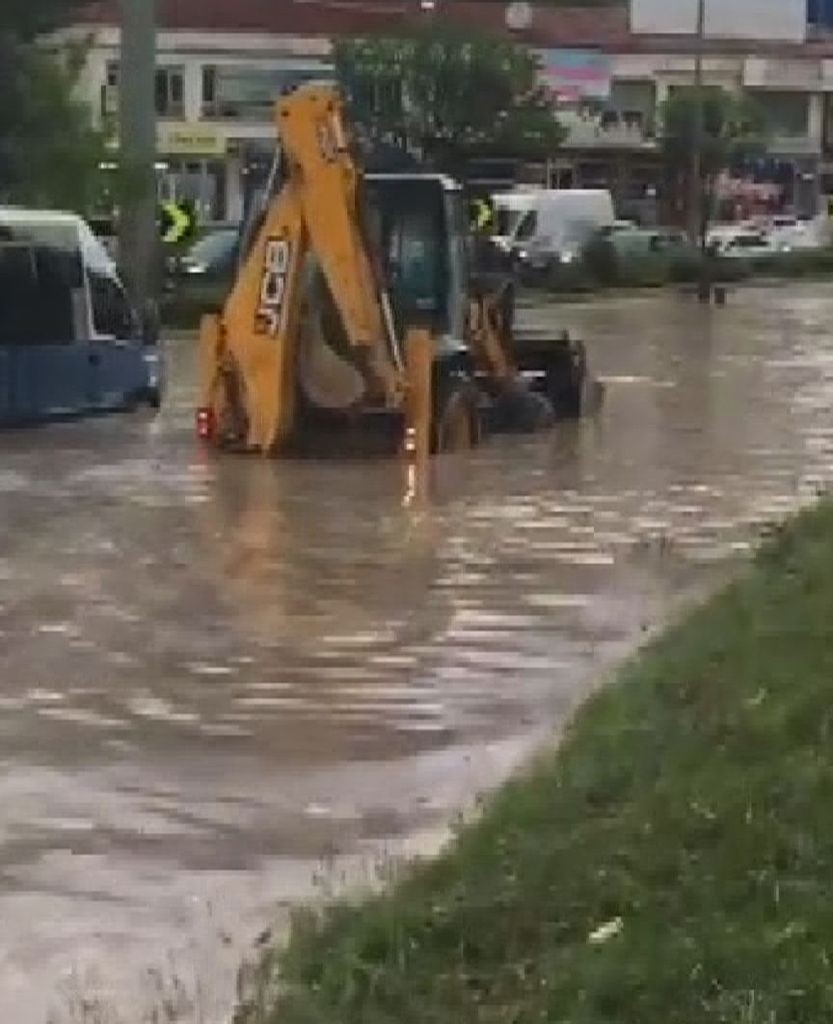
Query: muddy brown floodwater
[225, 679]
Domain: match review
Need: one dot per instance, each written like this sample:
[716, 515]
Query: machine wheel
[456, 419]
[232, 422]
[566, 375]
[517, 410]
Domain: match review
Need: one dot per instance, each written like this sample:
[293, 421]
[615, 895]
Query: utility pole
[695, 211]
[138, 242]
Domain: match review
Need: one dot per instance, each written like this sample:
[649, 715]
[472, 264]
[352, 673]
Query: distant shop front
[193, 168]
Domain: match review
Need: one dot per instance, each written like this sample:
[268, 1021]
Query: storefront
[770, 185]
[193, 168]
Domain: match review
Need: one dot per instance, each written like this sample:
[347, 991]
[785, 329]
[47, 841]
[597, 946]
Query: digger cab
[355, 307]
[418, 226]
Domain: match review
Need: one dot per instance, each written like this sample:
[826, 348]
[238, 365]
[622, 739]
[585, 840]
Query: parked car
[621, 255]
[70, 341]
[738, 242]
[636, 240]
[619, 226]
[214, 253]
[789, 233]
[510, 208]
[198, 281]
[556, 226]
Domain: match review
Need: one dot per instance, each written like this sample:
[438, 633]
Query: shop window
[246, 93]
[786, 113]
[169, 91]
[634, 102]
[209, 87]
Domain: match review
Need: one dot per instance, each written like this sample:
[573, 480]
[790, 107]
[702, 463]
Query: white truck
[509, 208]
[547, 227]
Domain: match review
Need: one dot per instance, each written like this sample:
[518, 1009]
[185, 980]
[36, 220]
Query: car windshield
[526, 226]
[213, 247]
[407, 222]
[506, 220]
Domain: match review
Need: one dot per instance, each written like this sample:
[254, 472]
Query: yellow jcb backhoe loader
[353, 314]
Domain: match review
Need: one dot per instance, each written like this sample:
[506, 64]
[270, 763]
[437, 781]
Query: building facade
[221, 65]
[215, 97]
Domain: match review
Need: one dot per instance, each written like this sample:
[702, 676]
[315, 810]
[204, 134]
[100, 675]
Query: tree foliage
[734, 130]
[445, 94]
[49, 152]
[25, 19]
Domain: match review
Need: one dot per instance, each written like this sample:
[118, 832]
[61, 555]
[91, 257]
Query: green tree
[49, 152]
[25, 19]
[446, 95]
[734, 129]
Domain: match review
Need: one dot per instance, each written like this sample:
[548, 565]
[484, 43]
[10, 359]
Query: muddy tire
[517, 410]
[230, 412]
[566, 373]
[456, 419]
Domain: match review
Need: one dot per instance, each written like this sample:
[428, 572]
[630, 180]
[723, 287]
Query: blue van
[70, 342]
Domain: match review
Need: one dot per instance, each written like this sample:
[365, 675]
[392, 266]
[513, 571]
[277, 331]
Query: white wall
[744, 19]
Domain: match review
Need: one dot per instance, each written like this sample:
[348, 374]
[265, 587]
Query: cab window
[37, 282]
[527, 226]
[507, 220]
[408, 224]
[111, 311]
[112, 315]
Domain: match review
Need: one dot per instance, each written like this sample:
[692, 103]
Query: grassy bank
[672, 863]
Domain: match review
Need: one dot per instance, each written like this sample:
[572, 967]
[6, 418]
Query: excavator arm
[277, 340]
[250, 352]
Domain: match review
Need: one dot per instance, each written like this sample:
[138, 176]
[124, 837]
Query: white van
[70, 342]
[510, 208]
[558, 223]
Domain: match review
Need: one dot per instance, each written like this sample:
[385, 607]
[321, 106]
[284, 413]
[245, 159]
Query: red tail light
[205, 424]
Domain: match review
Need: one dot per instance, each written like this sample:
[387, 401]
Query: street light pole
[696, 184]
[138, 243]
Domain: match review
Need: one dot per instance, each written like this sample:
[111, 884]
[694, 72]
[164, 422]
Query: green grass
[692, 798]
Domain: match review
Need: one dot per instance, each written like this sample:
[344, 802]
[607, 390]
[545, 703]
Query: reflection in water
[220, 671]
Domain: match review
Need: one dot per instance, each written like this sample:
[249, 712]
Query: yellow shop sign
[190, 140]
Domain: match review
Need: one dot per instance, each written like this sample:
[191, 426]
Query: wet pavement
[230, 683]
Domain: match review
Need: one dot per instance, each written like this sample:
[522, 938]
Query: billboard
[576, 74]
[784, 20]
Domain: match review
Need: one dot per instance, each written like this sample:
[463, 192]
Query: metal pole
[696, 183]
[138, 241]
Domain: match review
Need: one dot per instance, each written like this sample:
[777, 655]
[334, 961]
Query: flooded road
[226, 679]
